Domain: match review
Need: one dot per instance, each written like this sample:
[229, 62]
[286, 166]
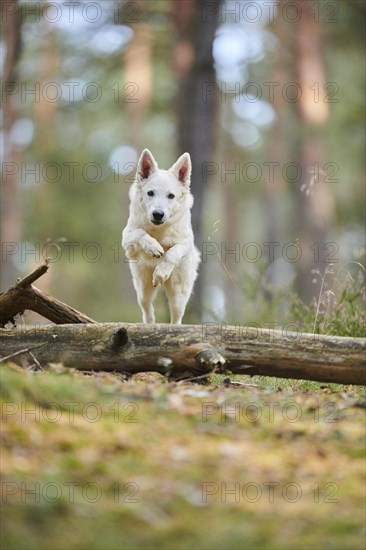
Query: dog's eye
[171, 196]
[150, 193]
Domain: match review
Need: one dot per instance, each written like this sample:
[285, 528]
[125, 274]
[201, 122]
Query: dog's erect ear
[182, 169]
[146, 165]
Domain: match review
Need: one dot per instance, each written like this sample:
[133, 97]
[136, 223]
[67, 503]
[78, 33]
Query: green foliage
[338, 312]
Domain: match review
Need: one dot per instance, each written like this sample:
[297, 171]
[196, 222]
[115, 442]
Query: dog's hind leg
[145, 297]
[178, 293]
[179, 286]
[145, 291]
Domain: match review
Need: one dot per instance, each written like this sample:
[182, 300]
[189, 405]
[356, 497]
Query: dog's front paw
[162, 273]
[152, 247]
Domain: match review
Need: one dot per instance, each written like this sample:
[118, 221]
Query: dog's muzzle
[157, 217]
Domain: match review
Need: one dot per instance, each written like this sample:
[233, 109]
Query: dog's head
[163, 192]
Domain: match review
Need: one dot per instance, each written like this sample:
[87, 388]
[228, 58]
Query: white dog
[158, 238]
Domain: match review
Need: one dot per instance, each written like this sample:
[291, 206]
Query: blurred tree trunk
[195, 110]
[10, 208]
[276, 153]
[139, 77]
[313, 196]
[298, 138]
[231, 227]
[45, 111]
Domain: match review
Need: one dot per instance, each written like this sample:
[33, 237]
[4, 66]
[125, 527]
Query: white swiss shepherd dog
[158, 237]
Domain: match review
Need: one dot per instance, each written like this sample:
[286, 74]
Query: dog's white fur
[162, 254]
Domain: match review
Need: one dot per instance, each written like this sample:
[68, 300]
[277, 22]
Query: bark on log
[23, 295]
[189, 350]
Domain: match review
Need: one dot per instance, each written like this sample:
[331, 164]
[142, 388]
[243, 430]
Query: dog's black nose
[158, 215]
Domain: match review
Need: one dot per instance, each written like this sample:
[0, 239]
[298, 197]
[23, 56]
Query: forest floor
[99, 462]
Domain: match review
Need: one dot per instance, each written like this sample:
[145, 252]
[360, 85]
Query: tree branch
[22, 296]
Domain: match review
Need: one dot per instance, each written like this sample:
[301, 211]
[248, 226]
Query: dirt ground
[99, 462]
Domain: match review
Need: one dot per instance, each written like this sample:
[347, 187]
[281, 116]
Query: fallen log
[181, 351]
[24, 296]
